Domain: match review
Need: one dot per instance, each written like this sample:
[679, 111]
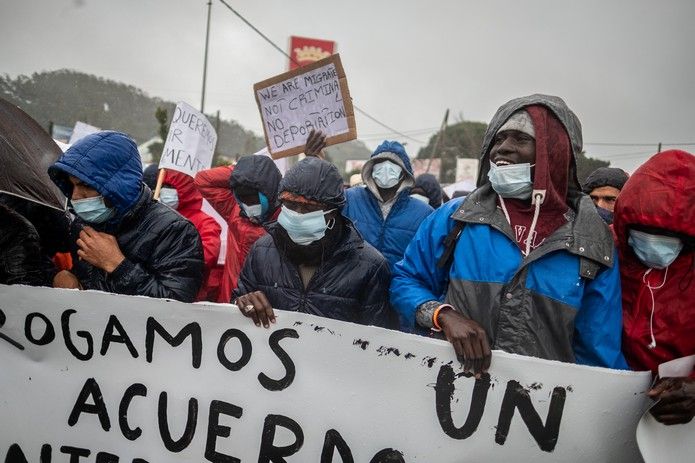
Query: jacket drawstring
[537, 200]
[651, 288]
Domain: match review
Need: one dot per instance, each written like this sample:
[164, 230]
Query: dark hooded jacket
[217, 185]
[433, 190]
[660, 194]
[391, 234]
[562, 301]
[352, 278]
[21, 257]
[164, 255]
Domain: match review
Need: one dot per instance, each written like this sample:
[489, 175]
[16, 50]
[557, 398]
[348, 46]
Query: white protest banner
[315, 96]
[190, 142]
[118, 378]
[81, 130]
[467, 170]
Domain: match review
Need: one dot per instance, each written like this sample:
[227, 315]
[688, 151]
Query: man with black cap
[524, 263]
[312, 259]
[603, 186]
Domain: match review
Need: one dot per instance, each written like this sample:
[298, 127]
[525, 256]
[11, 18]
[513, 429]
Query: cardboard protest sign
[466, 170]
[190, 143]
[315, 96]
[147, 380]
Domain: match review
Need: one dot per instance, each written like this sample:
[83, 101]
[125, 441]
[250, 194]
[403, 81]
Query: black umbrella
[26, 151]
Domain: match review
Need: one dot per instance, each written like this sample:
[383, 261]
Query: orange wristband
[435, 316]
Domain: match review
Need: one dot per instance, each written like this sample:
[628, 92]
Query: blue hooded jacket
[163, 251]
[389, 235]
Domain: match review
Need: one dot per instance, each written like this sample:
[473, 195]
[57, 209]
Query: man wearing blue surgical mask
[313, 260]
[524, 263]
[124, 241]
[384, 212]
[655, 231]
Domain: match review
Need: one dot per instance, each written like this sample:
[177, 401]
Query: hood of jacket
[431, 187]
[259, 173]
[393, 151]
[661, 193]
[107, 161]
[317, 180]
[567, 119]
[190, 198]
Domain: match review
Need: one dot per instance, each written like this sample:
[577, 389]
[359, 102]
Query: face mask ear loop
[652, 344]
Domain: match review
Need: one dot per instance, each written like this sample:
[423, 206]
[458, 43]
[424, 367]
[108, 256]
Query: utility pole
[440, 136]
[658, 149]
[205, 61]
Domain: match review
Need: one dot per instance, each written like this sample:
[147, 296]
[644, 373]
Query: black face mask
[310, 254]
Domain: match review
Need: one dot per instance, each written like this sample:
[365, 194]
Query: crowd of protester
[531, 262]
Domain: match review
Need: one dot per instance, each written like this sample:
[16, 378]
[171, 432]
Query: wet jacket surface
[350, 285]
[389, 236]
[164, 254]
[561, 302]
[214, 185]
[190, 203]
[21, 257]
[661, 193]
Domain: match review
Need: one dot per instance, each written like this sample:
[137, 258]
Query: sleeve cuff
[123, 269]
[424, 313]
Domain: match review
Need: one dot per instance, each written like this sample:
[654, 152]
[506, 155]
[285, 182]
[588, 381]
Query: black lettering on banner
[65, 324]
[75, 453]
[215, 430]
[49, 333]
[139, 460]
[16, 455]
[333, 441]
[517, 397]
[388, 456]
[271, 454]
[122, 337]
[274, 342]
[132, 391]
[3, 318]
[192, 330]
[104, 457]
[444, 390]
[246, 349]
[90, 389]
[189, 431]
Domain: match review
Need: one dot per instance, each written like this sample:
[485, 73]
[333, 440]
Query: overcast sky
[627, 68]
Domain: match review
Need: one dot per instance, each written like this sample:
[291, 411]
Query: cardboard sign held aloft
[315, 96]
[190, 143]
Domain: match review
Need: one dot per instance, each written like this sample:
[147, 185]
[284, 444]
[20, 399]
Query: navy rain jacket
[164, 253]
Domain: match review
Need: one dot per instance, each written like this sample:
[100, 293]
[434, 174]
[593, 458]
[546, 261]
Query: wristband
[435, 316]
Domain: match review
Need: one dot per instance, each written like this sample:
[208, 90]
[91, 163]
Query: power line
[265, 37]
[640, 144]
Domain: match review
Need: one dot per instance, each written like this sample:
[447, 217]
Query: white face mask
[170, 197]
[655, 251]
[252, 211]
[424, 199]
[512, 181]
[386, 174]
[306, 228]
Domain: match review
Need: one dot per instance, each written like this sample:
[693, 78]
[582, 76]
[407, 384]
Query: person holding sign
[655, 230]
[313, 260]
[125, 242]
[245, 195]
[384, 212]
[524, 263]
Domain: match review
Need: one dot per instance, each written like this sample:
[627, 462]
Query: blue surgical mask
[170, 197]
[306, 228]
[386, 174]
[93, 210]
[512, 181]
[655, 251]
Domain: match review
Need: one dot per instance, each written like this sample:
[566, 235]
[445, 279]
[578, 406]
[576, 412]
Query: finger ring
[248, 308]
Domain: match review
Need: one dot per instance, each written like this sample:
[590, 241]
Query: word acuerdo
[82, 345]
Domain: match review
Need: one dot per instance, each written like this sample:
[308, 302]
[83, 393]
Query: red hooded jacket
[661, 193]
[257, 172]
[190, 202]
